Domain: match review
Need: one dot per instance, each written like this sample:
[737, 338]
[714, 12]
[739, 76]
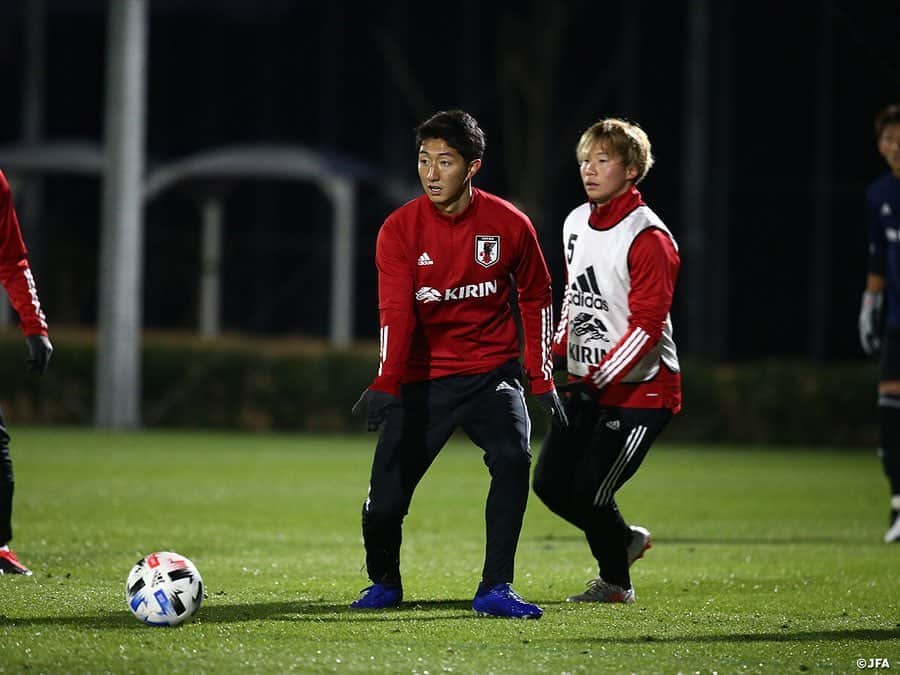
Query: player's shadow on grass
[215, 612]
[875, 635]
[734, 541]
[428, 610]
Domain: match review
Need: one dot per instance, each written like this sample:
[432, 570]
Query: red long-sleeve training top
[444, 293]
[15, 273]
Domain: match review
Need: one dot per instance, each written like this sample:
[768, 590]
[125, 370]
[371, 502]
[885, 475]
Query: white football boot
[599, 590]
[892, 536]
[640, 542]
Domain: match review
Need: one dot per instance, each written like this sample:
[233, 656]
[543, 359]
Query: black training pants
[889, 411]
[490, 408]
[6, 485]
[580, 469]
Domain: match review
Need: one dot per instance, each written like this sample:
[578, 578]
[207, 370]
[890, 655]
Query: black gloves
[579, 390]
[580, 400]
[375, 405]
[551, 403]
[38, 350]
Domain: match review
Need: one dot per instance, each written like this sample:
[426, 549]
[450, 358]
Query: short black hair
[458, 129]
[886, 116]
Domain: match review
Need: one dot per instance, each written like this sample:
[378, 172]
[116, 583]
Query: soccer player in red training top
[15, 275]
[616, 335]
[449, 357]
[883, 291]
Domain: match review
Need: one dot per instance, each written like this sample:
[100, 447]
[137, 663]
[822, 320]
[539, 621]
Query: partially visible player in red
[15, 275]
[450, 356]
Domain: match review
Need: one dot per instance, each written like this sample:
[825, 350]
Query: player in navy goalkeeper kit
[449, 357]
[880, 312]
[15, 275]
[615, 336]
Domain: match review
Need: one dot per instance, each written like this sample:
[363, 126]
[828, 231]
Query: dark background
[789, 91]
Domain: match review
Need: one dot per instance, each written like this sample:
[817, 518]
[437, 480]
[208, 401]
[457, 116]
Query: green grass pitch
[765, 560]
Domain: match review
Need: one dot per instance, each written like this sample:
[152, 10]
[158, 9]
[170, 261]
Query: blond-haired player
[616, 336]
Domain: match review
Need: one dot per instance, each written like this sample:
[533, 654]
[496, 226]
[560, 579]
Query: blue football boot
[501, 600]
[378, 596]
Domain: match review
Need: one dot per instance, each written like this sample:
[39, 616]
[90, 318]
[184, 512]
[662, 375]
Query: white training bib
[599, 283]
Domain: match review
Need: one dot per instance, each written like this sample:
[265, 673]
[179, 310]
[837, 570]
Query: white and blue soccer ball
[164, 589]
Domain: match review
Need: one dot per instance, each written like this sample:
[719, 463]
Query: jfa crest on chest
[487, 249]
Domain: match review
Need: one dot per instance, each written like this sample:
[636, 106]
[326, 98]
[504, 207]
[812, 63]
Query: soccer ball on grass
[164, 589]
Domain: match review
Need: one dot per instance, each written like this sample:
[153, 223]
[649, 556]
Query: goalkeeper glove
[376, 406]
[551, 403]
[38, 350]
[870, 321]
